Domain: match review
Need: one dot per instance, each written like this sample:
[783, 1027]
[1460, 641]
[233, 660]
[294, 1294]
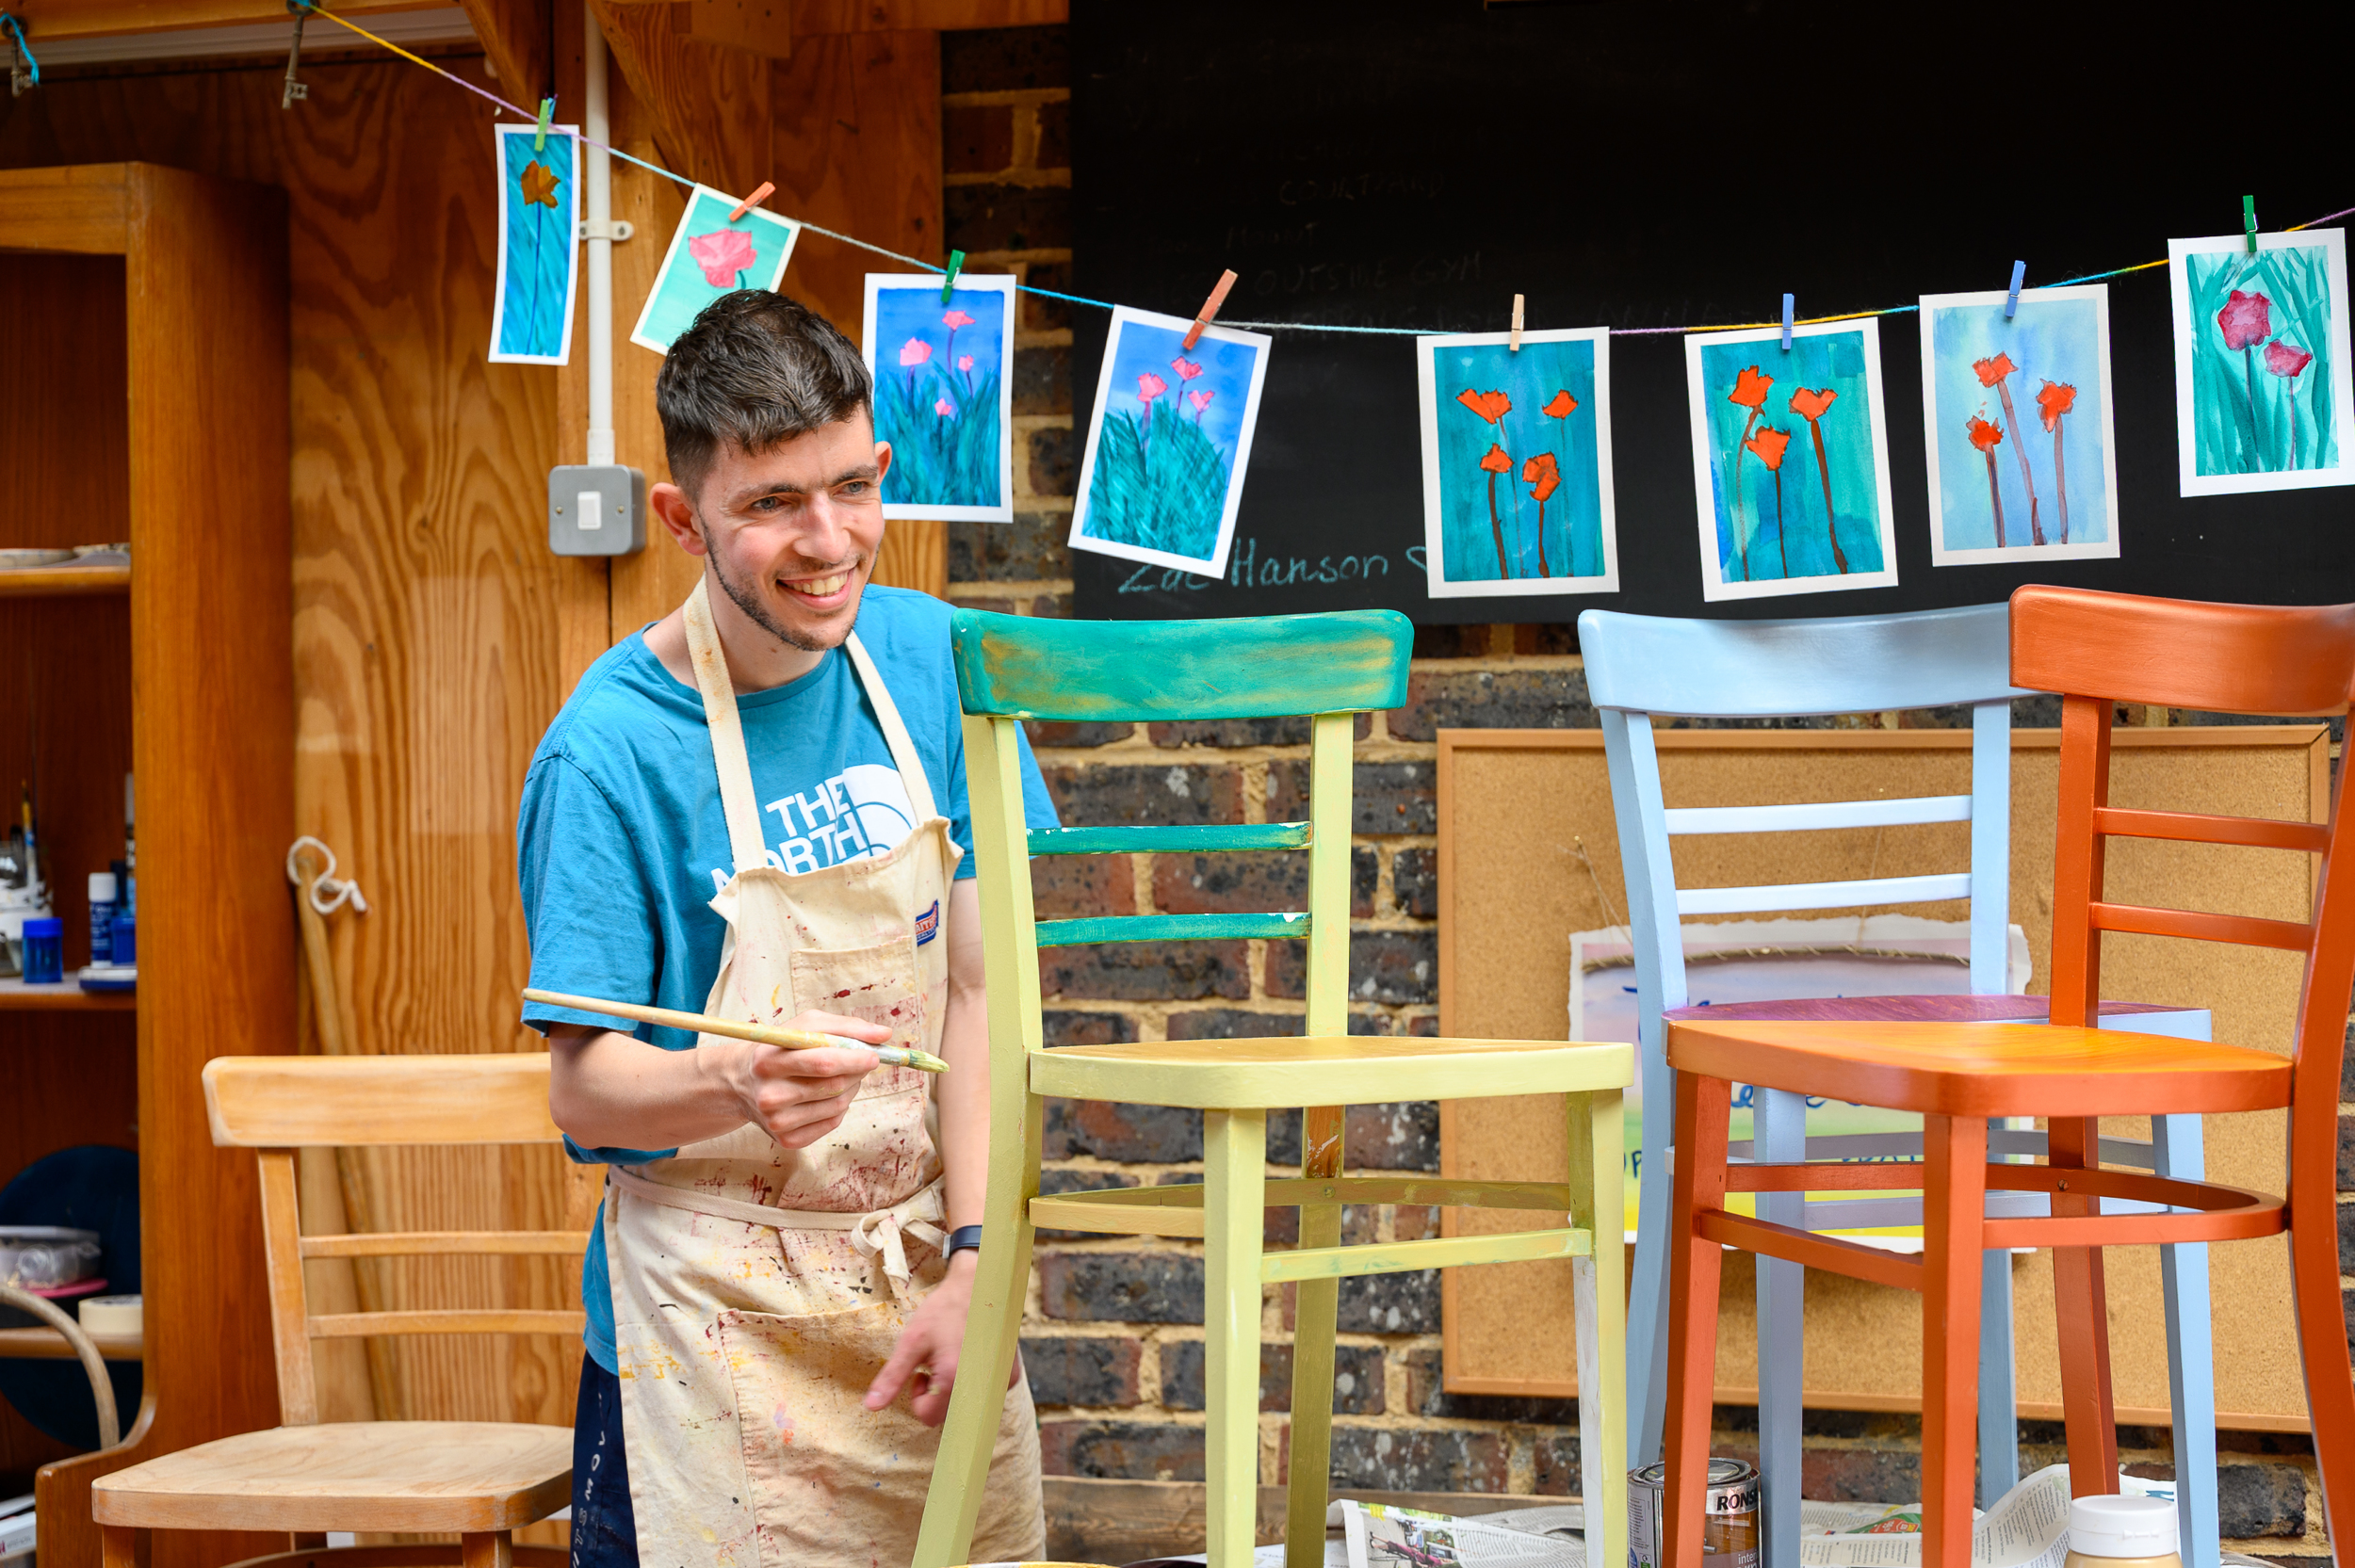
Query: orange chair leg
[2083, 1309]
[1694, 1265]
[1953, 1207]
[2322, 1339]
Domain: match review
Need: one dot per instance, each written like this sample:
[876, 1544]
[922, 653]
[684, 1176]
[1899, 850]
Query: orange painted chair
[2095, 649]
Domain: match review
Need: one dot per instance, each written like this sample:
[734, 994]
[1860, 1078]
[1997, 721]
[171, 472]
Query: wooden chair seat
[466, 1477]
[1278, 1071]
[1984, 1070]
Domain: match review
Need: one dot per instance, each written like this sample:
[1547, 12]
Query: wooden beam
[812, 18]
[64, 19]
[517, 39]
[763, 27]
[709, 102]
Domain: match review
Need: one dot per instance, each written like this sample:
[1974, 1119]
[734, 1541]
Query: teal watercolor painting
[712, 255]
[2018, 425]
[1789, 461]
[2260, 361]
[1517, 464]
[531, 316]
[944, 394]
[1162, 479]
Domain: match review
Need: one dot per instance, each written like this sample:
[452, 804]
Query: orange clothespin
[1210, 308]
[761, 194]
[1515, 342]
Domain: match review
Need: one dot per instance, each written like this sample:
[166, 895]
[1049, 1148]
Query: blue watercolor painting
[944, 394]
[531, 322]
[2260, 361]
[1169, 443]
[712, 255]
[1791, 461]
[1517, 464]
[2018, 416]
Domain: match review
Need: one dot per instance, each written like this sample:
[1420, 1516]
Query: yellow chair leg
[992, 1332]
[1315, 1306]
[1600, 1284]
[1234, 1182]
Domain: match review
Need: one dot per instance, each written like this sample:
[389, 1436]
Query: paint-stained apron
[757, 1289]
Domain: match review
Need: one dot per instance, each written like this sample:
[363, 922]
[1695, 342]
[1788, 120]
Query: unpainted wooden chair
[1640, 668]
[1330, 668]
[478, 1479]
[2097, 650]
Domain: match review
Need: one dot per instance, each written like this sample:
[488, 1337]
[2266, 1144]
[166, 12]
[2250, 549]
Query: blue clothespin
[2011, 306]
[2248, 221]
[948, 283]
[1786, 321]
[540, 136]
[26, 72]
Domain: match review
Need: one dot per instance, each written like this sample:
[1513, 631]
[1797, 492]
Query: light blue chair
[1640, 666]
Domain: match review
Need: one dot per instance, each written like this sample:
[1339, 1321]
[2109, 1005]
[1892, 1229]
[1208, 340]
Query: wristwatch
[961, 1237]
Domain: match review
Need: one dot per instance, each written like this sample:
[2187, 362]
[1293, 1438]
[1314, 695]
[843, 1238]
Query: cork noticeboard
[1528, 852]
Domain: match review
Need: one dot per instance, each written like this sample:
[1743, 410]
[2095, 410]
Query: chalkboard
[1416, 162]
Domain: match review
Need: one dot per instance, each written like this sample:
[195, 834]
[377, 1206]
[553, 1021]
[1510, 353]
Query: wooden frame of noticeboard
[1529, 854]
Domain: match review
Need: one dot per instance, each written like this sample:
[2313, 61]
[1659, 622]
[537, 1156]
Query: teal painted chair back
[1329, 668]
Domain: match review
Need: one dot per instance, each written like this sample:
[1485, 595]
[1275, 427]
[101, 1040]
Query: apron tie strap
[880, 1235]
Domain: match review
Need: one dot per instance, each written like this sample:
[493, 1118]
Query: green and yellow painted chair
[1332, 666]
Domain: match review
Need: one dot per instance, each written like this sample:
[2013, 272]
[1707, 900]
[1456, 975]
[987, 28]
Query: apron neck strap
[727, 731]
[903, 754]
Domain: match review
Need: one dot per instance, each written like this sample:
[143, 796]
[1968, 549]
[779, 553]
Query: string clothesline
[1256, 326]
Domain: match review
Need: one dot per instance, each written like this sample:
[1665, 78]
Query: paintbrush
[790, 1040]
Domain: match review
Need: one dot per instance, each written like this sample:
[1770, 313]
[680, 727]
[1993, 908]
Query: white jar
[2122, 1532]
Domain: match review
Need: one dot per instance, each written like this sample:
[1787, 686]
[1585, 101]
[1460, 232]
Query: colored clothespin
[2011, 306]
[1515, 342]
[2248, 221]
[760, 193]
[25, 73]
[540, 136]
[295, 88]
[1786, 321]
[948, 283]
[1210, 308]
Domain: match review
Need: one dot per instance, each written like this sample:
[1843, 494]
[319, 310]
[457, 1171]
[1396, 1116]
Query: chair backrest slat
[2254, 832]
[2247, 930]
[1173, 927]
[447, 1244]
[1788, 669]
[1864, 891]
[1815, 815]
[1177, 838]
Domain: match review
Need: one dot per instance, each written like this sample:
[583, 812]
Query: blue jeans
[605, 1527]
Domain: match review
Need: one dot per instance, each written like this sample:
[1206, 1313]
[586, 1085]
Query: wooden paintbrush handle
[790, 1040]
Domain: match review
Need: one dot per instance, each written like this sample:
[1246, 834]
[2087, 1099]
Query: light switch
[596, 509]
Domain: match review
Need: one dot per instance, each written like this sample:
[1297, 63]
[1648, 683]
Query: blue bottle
[44, 951]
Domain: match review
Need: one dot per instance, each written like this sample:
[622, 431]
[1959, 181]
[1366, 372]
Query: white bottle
[2122, 1532]
[102, 917]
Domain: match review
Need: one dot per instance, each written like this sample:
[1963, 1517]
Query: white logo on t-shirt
[862, 811]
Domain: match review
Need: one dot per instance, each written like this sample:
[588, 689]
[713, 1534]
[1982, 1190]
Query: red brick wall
[1112, 1340]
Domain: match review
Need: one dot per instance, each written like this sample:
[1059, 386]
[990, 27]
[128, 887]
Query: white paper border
[2103, 550]
[1713, 586]
[2192, 483]
[1437, 586]
[1215, 566]
[978, 282]
[572, 269]
[678, 238]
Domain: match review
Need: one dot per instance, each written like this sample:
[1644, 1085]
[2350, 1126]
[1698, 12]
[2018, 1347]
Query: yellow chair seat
[466, 1477]
[1280, 1071]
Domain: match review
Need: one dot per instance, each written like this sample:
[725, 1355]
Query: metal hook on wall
[295, 88]
[25, 73]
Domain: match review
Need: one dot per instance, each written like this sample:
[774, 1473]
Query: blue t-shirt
[622, 841]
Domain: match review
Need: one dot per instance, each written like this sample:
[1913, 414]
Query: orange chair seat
[1986, 1069]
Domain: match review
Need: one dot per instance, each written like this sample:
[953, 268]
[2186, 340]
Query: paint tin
[1730, 1539]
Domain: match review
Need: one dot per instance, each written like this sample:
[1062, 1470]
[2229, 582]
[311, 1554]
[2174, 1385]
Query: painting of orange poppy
[531, 316]
[1517, 464]
[1789, 461]
[2016, 421]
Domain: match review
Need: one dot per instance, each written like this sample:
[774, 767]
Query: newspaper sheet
[1383, 1537]
[2029, 1528]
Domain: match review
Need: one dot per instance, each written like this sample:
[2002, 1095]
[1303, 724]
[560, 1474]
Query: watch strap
[961, 1237]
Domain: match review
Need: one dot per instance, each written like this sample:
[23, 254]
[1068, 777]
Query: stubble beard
[746, 600]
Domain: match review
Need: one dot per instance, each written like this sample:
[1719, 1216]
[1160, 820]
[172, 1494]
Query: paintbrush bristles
[702, 1023]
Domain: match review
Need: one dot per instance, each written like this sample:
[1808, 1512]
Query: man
[751, 808]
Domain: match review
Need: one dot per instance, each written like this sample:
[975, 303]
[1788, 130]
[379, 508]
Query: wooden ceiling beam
[709, 101]
[518, 38]
[64, 19]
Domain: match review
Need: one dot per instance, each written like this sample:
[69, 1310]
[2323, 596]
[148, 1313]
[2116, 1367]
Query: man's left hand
[925, 1359]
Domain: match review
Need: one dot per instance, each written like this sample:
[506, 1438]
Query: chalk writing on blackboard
[1247, 568]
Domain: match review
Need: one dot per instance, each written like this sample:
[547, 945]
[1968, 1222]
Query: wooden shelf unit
[144, 397]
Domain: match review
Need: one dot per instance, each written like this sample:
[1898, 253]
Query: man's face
[791, 532]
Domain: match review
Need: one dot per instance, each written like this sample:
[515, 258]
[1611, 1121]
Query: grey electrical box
[596, 511]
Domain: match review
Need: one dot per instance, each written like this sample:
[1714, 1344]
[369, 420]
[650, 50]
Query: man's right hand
[801, 1096]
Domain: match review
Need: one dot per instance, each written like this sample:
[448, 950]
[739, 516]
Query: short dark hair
[755, 370]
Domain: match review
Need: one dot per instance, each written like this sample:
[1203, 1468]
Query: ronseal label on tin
[1730, 1534]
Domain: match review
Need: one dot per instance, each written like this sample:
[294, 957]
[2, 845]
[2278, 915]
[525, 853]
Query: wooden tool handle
[790, 1040]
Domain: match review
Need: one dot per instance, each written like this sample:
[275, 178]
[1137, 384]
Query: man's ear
[883, 461]
[677, 513]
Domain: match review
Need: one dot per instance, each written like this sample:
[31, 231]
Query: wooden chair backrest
[277, 1104]
[1329, 668]
[2098, 650]
[1639, 667]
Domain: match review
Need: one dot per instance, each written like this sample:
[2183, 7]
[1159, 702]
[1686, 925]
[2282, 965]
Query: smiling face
[790, 534]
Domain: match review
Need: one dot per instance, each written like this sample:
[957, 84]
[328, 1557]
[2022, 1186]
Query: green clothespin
[540, 136]
[2248, 220]
[948, 283]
